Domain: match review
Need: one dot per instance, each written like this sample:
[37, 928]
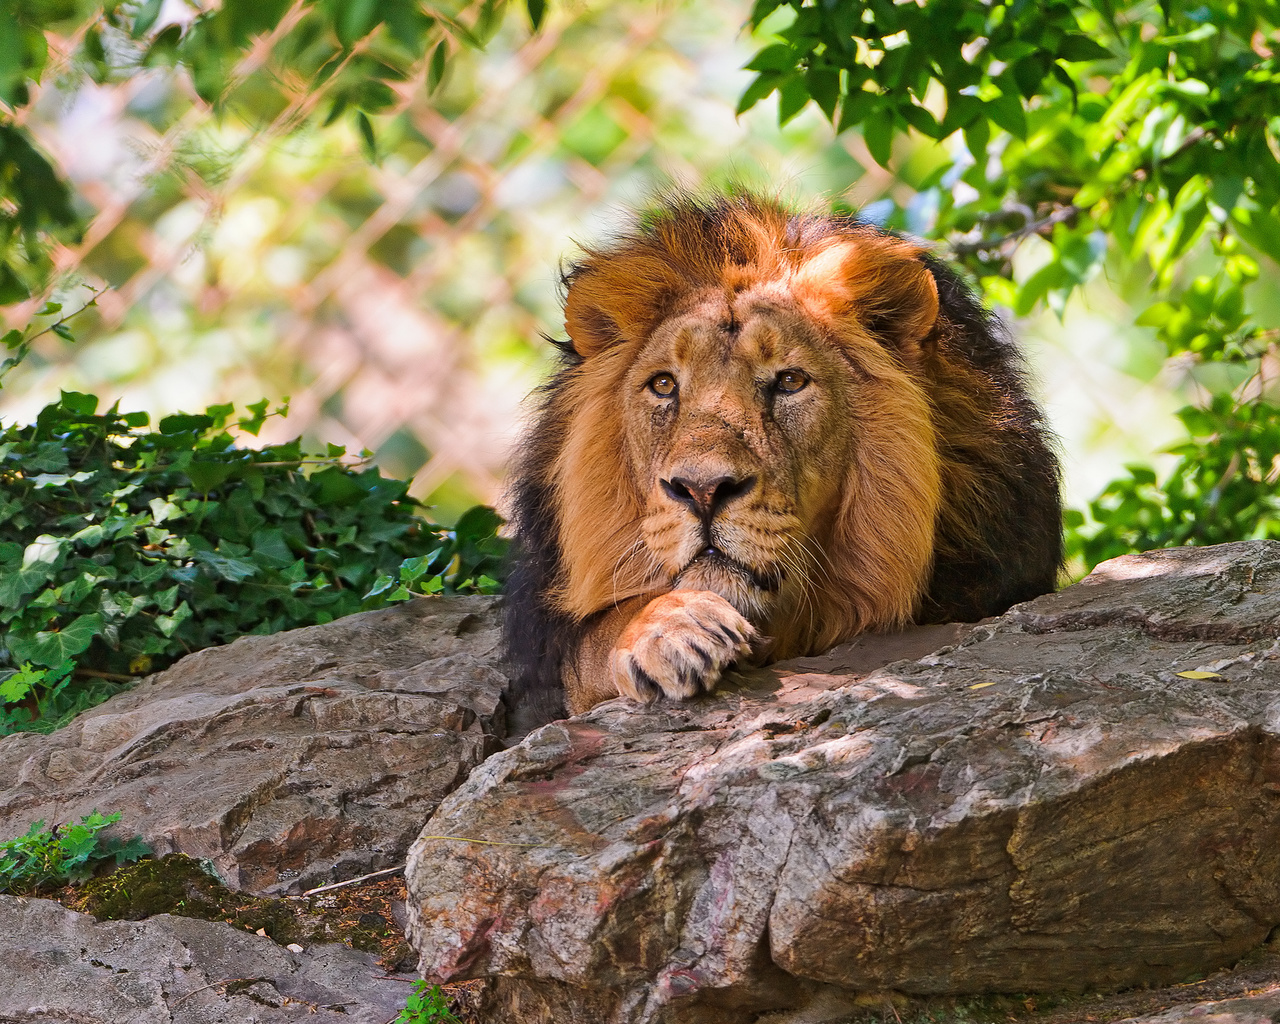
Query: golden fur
[737, 509]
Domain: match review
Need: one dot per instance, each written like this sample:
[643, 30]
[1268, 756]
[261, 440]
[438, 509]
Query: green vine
[124, 546]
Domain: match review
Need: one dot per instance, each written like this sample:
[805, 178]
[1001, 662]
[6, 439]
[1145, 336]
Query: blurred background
[396, 288]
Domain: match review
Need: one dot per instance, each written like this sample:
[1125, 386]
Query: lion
[770, 432]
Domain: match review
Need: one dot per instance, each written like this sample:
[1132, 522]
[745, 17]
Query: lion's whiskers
[796, 563]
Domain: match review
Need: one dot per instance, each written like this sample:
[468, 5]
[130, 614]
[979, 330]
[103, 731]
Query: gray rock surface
[1262, 1008]
[288, 760]
[60, 966]
[1051, 803]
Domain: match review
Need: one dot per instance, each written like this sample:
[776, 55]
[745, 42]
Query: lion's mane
[988, 482]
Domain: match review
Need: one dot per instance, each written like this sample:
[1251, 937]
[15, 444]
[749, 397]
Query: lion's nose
[704, 498]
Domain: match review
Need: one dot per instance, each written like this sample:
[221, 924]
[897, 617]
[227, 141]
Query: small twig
[1215, 494]
[69, 316]
[1057, 217]
[313, 462]
[1033, 228]
[216, 984]
[115, 677]
[385, 873]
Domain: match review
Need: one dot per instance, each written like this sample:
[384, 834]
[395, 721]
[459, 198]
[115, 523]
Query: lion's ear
[622, 299]
[880, 282]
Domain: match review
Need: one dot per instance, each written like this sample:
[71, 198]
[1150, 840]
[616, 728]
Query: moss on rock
[361, 916]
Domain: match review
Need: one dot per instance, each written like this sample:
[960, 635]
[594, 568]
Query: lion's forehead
[760, 336]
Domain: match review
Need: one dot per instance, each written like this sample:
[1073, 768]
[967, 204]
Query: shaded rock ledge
[288, 760]
[1047, 804]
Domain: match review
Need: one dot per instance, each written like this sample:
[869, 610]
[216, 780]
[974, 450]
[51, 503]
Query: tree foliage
[1139, 132]
[343, 58]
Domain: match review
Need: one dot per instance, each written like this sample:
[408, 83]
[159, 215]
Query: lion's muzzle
[705, 496]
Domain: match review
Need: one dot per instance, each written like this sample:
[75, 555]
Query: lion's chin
[752, 593]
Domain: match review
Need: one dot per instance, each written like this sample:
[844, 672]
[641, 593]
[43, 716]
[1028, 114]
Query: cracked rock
[288, 760]
[1047, 801]
[60, 967]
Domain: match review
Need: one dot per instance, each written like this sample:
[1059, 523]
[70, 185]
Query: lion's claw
[679, 646]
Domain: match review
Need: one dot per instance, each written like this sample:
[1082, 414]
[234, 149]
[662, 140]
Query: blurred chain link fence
[399, 301]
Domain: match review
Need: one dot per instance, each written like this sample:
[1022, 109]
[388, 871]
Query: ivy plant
[426, 1004]
[64, 853]
[124, 545]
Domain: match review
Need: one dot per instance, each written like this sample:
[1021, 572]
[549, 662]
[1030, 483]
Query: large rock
[60, 966]
[1052, 803]
[287, 760]
[1261, 1008]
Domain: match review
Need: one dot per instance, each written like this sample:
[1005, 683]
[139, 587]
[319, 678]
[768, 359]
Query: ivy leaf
[53, 647]
[234, 570]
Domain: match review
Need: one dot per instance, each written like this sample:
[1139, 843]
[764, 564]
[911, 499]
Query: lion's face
[739, 431]
[754, 426]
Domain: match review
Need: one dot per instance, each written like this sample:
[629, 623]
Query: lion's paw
[679, 645]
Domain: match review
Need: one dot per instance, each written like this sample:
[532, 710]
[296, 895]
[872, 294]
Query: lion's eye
[790, 381]
[663, 385]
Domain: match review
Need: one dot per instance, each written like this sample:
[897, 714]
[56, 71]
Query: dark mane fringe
[1018, 552]
[538, 638]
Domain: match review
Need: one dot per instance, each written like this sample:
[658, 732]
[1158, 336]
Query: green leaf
[439, 58]
[52, 647]
[205, 475]
[877, 133]
[15, 584]
[1079, 48]
[762, 86]
[776, 57]
[146, 17]
[477, 523]
[921, 120]
[233, 569]
[537, 11]
[78, 403]
[17, 685]
[12, 288]
[1006, 111]
[366, 135]
[976, 137]
[181, 423]
[793, 95]
[252, 424]
[380, 586]
[1155, 315]
[169, 624]
[823, 85]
